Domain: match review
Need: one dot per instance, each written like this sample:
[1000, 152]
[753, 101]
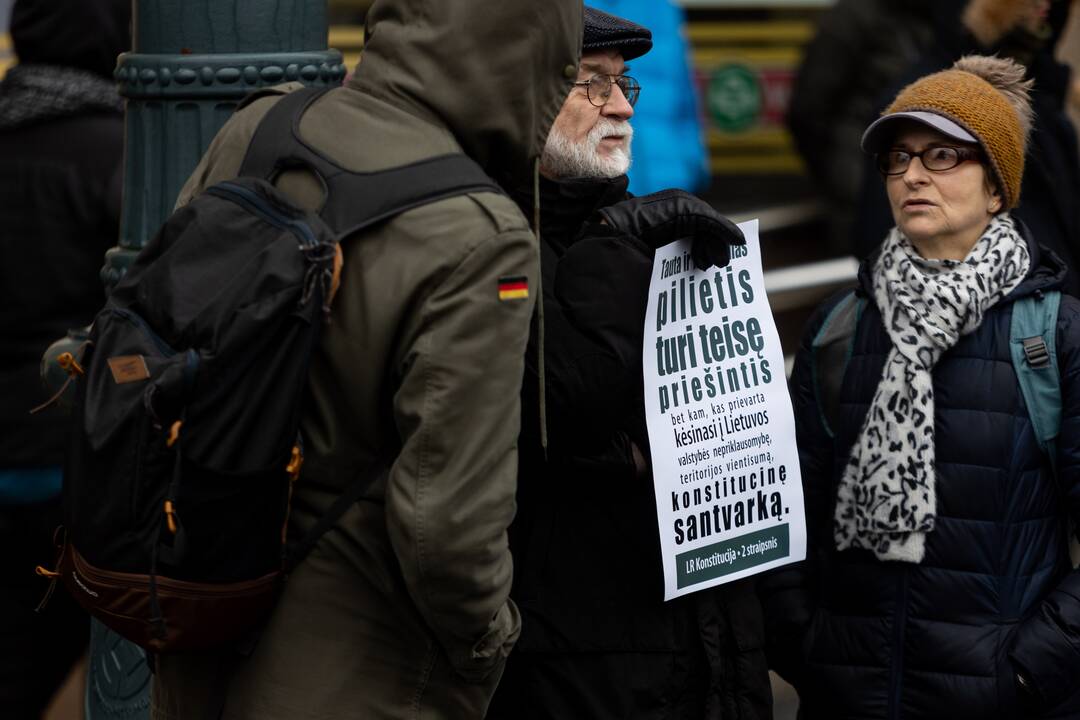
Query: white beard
[565, 158]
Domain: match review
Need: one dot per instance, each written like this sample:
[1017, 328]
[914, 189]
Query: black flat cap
[604, 31]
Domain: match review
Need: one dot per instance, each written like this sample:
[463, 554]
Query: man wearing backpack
[402, 609]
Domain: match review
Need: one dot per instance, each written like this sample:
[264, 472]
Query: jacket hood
[1047, 270]
[82, 34]
[494, 73]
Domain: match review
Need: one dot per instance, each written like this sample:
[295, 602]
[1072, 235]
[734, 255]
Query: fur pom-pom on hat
[1008, 78]
[981, 99]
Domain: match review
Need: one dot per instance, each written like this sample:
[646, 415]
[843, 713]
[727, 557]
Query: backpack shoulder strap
[296, 551]
[355, 200]
[358, 200]
[273, 138]
[1032, 345]
[831, 351]
[260, 93]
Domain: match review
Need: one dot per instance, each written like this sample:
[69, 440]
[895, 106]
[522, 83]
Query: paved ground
[68, 702]
[67, 705]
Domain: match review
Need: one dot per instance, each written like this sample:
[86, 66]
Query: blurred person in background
[859, 48]
[598, 641]
[1028, 32]
[61, 147]
[938, 582]
[669, 150]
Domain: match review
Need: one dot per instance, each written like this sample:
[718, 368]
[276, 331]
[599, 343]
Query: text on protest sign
[721, 431]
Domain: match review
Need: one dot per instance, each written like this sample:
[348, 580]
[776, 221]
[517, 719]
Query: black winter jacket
[61, 149]
[996, 592]
[598, 641]
[60, 186]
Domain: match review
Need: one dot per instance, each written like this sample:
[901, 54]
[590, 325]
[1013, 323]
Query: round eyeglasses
[935, 159]
[598, 88]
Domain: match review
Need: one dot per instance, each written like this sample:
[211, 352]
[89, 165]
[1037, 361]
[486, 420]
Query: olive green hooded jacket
[422, 362]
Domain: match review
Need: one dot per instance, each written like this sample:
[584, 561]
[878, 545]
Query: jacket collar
[1047, 269]
[566, 205]
[32, 93]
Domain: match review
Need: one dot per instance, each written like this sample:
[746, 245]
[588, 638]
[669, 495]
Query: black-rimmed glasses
[935, 159]
[598, 88]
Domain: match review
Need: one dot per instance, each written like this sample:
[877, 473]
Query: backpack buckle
[296, 461]
[1036, 353]
[69, 364]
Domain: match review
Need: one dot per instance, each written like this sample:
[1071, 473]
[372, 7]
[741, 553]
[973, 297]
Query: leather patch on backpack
[128, 368]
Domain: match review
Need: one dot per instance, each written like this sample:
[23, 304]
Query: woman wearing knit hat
[1028, 31]
[938, 582]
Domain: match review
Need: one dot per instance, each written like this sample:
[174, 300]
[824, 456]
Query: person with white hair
[597, 639]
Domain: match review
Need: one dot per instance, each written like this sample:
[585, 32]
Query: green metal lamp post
[193, 61]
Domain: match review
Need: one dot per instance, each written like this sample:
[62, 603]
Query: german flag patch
[514, 288]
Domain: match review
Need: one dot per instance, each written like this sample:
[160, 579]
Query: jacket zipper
[265, 210]
[899, 624]
[191, 365]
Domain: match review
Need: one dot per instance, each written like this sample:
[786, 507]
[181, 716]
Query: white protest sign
[725, 466]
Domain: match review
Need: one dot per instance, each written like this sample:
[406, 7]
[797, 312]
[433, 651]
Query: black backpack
[179, 473]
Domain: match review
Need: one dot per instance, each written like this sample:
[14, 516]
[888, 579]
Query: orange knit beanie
[974, 104]
[984, 105]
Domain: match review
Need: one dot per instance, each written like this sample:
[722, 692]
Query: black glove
[671, 215]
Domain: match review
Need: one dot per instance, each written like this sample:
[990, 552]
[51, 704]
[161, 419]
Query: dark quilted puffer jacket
[864, 639]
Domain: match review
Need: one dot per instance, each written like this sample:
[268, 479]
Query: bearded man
[598, 640]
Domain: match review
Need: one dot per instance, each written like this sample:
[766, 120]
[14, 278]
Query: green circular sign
[734, 97]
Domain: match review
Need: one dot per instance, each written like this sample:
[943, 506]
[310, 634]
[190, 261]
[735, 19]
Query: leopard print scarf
[886, 501]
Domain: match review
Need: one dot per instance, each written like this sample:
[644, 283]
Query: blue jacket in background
[668, 147]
